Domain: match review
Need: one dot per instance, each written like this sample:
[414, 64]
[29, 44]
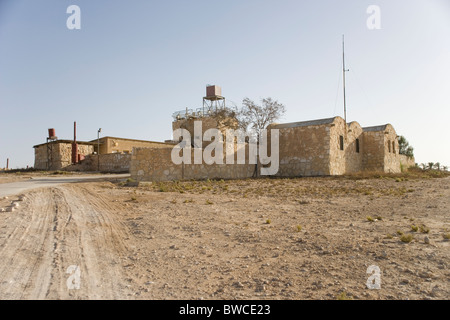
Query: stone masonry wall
[112, 163]
[374, 150]
[149, 164]
[61, 154]
[117, 145]
[337, 156]
[406, 162]
[354, 159]
[304, 151]
[391, 155]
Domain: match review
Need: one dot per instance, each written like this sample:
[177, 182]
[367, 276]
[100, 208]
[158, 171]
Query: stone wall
[310, 148]
[337, 156]
[120, 145]
[354, 148]
[304, 151]
[222, 124]
[406, 162]
[156, 165]
[61, 155]
[374, 150]
[112, 163]
[391, 155]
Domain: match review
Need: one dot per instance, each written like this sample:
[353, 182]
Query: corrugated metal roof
[318, 122]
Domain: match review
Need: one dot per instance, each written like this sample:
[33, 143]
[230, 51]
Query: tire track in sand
[57, 228]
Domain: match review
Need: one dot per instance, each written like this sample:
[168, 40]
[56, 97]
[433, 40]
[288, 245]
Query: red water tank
[51, 133]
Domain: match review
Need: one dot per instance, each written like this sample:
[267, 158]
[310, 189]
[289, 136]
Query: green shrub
[407, 238]
[343, 296]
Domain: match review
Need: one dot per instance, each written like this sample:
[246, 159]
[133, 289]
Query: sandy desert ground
[290, 239]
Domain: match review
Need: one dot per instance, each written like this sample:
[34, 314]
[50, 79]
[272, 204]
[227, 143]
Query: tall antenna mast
[343, 73]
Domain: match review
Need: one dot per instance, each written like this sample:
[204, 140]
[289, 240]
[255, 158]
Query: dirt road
[53, 229]
[246, 239]
[11, 185]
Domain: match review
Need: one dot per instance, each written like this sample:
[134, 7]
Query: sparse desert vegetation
[302, 238]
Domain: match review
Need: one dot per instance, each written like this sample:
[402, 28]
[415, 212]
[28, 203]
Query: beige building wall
[354, 148]
[112, 162]
[391, 155]
[206, 124]
[337, 159]
[122, 145]
[156, 165]
[304, 150]
[61, 154]
[309, 148]
[374, 150]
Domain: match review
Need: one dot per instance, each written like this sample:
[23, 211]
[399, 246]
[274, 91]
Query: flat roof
[64, 141]
[137, 140]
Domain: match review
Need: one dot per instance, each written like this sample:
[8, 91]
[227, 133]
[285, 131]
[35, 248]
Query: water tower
[213, 99]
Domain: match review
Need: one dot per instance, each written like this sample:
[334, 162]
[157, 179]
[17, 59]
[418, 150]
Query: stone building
[57, 154]
[115, 154]
[123, 145]
[332, 147]
[309, 148]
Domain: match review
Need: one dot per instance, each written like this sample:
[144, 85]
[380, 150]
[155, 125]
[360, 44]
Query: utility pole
[98, 149]
[343, 73]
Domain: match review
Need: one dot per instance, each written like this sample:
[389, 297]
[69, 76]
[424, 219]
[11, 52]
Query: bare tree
[254, 118]
[258, 117]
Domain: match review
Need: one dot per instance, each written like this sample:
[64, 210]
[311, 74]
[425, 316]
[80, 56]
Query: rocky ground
[306, 238]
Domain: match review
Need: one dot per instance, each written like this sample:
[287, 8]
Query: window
[357, 145]
[341, 142]
[393, 146]
[389, 146]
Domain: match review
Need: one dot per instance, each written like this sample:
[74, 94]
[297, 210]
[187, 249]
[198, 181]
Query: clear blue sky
[134, 63]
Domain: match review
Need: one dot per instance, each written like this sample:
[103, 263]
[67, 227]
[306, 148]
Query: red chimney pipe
[74, 144]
